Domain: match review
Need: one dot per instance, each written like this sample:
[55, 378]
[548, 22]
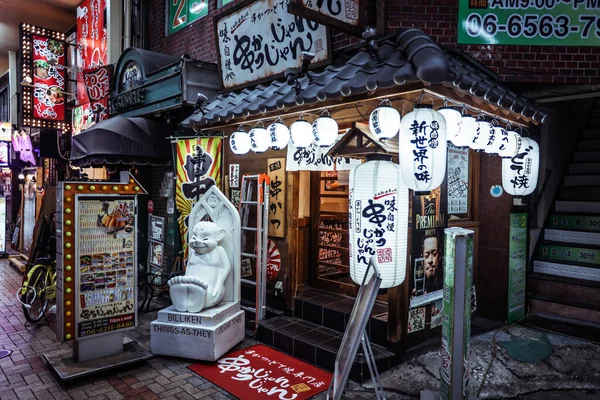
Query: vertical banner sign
[517, 266]
[529, 22]
[262, 39]
[456, 324]
[458, 180]
[184, 12]
[234, 176]
[2, 224]
[426, 267]
[198, 169]
[106, 265]
[97, 85]
[276, 171]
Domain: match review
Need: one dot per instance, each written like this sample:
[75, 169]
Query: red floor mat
[259, 372]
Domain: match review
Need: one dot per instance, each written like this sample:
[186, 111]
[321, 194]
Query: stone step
[566, 270]
[318, 345]
[579, 193]
[594, 123]
[586, 156]
[587, 207]
[573, 237]
[584, 168]
[569, 289]
[566, 326]
[580, 222]
[552, 306]
[587, 145]
[591, 133]
[582, 180]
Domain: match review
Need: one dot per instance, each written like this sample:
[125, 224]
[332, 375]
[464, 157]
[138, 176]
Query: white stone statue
[203, 285]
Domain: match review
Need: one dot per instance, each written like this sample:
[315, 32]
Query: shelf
[334, 230]
[324, 246]
[326, 264]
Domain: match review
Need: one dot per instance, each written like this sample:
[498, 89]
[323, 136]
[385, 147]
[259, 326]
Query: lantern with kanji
[240, 142]
[453, 122]
[520, 172]
[378, 223]
[482, 133]
[466, 132]
[509, 144]
[423, 148]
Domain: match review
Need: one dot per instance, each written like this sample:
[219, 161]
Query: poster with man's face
[426, 268]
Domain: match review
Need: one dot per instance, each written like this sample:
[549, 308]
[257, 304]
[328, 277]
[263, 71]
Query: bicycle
[39, 287]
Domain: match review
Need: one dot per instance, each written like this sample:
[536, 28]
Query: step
[580, 193]
[565, 326]
[586, 156]
[572, 236]
[584, 168]
[318, 345]
[549, 305]
[582, 180]
[564, 288]
[588, 144]
[566, 270]
[594, 123]
[587, 256]
[591, 133]
[577, 206]
[581, 222]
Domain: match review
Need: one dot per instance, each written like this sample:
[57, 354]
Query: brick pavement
[24, 375]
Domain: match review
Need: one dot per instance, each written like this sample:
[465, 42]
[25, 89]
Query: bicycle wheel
[36, 299]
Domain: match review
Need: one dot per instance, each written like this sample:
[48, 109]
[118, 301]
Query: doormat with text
[260, 372]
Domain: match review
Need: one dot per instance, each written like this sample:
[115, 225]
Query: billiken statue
[208, 266]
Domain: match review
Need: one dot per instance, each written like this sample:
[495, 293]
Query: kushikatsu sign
[260, 39]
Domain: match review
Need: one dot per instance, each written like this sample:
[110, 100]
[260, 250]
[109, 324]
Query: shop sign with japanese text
[315, 158]
[276, 171]
[181, 13]
[261, 39]
[344, 15]
[48, 79]
[529, 22]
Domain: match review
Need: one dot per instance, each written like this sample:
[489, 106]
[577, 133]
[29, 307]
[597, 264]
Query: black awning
[122, 140]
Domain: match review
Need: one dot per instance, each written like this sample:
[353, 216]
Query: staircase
[315, 332]
[565, 281]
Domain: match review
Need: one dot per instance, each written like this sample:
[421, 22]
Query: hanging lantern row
[323, 132]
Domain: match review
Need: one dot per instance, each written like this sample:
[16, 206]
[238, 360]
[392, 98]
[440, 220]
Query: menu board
[48, 79]
[106, 261]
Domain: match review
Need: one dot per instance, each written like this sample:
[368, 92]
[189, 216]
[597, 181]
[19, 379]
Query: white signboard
[262, 39]
[234, 175]
[315, 158]
[343, 10]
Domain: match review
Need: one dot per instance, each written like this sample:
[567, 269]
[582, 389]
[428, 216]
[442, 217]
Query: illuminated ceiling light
[301, 133]
[384, 121]
[325, 130]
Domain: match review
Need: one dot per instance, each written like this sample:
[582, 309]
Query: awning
[122, 140]
[409, 57]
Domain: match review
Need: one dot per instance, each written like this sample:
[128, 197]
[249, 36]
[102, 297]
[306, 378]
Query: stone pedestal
[206, 335]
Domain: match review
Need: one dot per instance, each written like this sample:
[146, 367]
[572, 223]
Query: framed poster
[156, 228]
[259, 40]
[105, 263]
[157, 251]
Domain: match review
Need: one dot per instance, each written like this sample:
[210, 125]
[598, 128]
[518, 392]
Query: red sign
[261, 373]
[48, 78]
[92, 41]
[97, 84]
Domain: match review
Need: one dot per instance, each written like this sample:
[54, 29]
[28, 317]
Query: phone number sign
[530, 22]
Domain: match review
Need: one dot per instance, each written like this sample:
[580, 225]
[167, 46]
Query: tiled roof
[410, 56]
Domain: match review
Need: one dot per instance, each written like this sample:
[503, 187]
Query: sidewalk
[572, 371]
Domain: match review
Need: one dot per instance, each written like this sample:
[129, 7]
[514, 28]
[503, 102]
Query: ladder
[248, 201]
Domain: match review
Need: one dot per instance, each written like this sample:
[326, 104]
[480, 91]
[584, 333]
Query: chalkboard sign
[355, 332]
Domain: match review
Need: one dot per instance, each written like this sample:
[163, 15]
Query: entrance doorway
[329, 266]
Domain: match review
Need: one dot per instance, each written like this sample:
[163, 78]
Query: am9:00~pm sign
[530, 22]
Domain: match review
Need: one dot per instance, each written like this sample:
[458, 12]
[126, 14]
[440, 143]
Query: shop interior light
[453, 119]
[482, 133]
[325, 130]
[279, 134]
[239, 142]
[301, 133]
[423, 148]
[384, 121]
[259, 139]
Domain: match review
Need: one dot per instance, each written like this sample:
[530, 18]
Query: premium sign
[529, 22]
[262, 39]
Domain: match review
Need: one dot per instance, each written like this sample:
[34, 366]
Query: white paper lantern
[384, 122]
[259, 139]
[279, 135]
[453, 122]
[509, 144]
[466, 132]
[495, 137]
[520, 172]
[325, 131]
[239, 142]
[301, 133]
[378, 224]
[482, 132]
[423, 149]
